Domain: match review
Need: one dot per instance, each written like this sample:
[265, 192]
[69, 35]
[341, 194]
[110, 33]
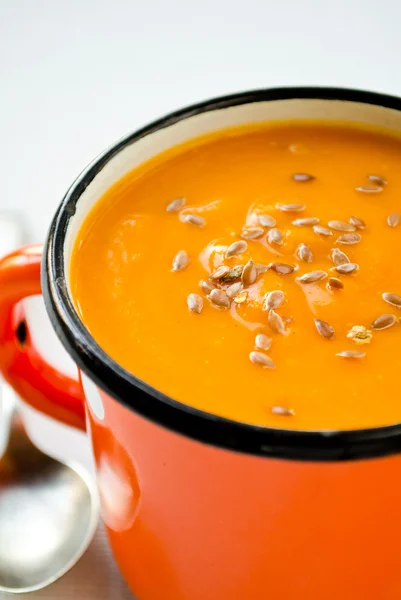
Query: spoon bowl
[48, 511]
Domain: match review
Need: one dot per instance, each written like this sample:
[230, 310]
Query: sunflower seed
[249, 273]
[263, 342]
[347, 268]
[394, 219]
[236, 248]
[338, 257]
[303, 177]
[282, 411]
[312, 277]
[291, 207]
[195, 303]
[351, 354]
[219, 272]
[252, 233]
[180, 260]
[307, 222]
[276, 322]
[369, 189]
[341, 226]
[234, 289]
[241, 297]
[335, 283]
[324, 329]
[282, 268]
[360, 334]
[349, 238]
[267, 221]
[206, 286]
[274, 236]
[358, 223]
[175, 205]
[257, 358]
[273, 300]
[233, 274]
[383, 322]
[260, 269]
[196, 220]
[304, 253]
[219, 298]
[378, 180]
[392, 299]
[324, 231]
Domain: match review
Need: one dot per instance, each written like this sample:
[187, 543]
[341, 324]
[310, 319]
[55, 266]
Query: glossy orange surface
[135, 306]
[37, 382]
[188, 521]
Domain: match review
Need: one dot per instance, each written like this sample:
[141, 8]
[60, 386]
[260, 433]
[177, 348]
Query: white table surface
[77, 74]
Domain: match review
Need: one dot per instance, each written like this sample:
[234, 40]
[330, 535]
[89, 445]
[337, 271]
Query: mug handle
[34, 380]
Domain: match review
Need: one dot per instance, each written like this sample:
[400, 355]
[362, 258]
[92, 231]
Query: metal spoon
[48, 510]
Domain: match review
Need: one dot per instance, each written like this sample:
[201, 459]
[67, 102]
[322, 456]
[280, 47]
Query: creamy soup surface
[255, 274]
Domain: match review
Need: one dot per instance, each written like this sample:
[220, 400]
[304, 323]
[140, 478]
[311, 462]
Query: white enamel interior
[197, 125]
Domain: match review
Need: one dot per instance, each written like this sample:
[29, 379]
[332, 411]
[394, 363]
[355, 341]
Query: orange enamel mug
[199, 507]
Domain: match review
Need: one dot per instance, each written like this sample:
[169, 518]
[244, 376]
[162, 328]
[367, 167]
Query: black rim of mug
[147, 401]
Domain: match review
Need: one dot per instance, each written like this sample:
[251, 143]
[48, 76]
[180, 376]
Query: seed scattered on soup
[234, 289]
[262, 360]
[196, 220]
[236, 248]
[383, 322]
[282, 411]
[323, 231]
[175, 205]
[219, 298]
[303, 177]
[341, 226]
[358, 223]
[347, 268]
[263, 342]
[349, 238]
[393, 299]
[180, 261]
[291, 207]
[275, 236]
[195, 303]
[282, 268]
[252, 233]
[369, 189]
[267, 221]
[378, 180]
[277, 268]
[307, 222]
[324, 329]
[220, 272]
[249, 273]
[394, 219]
[273, 299]
[241, 297]
[351, 354]
[335, 283]
[360, 334]
[304, 253]
[232, 274]
[312, 277]
[338, 257]
[276, 322]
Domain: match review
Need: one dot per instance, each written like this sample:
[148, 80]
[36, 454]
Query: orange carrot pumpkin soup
[254, 274]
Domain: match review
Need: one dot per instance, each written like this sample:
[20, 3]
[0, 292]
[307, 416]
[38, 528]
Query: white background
[77, 74]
